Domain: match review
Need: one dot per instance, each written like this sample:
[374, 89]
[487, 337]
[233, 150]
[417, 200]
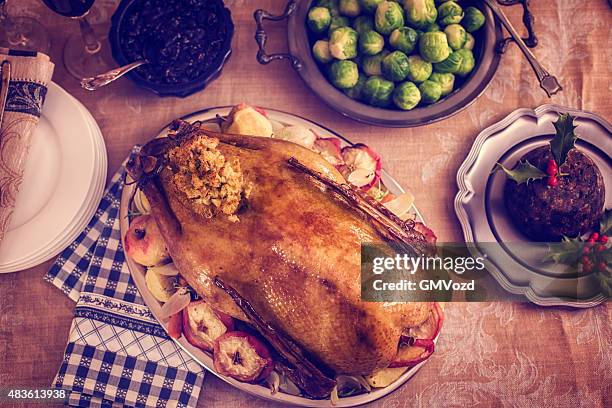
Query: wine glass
[22, 33]
[83, 54]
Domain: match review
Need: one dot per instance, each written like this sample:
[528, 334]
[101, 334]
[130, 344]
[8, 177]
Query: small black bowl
[121, 18]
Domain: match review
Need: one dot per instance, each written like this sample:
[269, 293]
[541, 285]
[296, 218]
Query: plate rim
[465, 192]
[259, 391]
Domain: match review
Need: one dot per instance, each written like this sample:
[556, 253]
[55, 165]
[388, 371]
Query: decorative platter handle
[262, 37]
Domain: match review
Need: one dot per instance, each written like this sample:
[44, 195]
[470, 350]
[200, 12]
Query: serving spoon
[548, 82]
[100, 80]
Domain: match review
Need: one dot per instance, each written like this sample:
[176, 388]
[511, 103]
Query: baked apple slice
[202, 324]
[329, 148]
[362, 166]
[418, 344]
[247, 120]
[242, 356]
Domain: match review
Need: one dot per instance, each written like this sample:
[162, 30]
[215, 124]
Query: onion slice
[361, 177]
[165, 270]
[401, 204]
[175, 304]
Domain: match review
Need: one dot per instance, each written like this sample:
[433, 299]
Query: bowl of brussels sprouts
[390, 63]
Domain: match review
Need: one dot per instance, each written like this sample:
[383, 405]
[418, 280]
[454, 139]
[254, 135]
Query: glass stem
[92, 45]
[14, 36]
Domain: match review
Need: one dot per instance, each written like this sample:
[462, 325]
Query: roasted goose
[268, 232]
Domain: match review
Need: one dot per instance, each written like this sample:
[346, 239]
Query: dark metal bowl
[300, 55]
[180, 90]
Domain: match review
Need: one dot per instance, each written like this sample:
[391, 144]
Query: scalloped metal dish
[482, 214]
[204, 359]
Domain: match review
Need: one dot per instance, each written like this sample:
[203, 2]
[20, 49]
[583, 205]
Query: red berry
[601, 266]
[600, 248]
[594, 236]
[591, 241]
[551, 168]
[603, 239]
[587, 268]
[553, 181]
[586, 249]
[585, 260]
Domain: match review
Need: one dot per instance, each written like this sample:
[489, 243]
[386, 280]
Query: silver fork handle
[548, 82]
[98, 81]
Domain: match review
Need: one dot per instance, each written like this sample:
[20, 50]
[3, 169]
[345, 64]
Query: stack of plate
[63, 183]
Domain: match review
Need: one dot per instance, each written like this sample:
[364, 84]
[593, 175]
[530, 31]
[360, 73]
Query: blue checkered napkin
[117, 353]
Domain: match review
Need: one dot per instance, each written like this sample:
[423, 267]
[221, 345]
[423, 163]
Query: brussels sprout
[404, 39]
[469, 43]
[389, 16]
[432, 28]
[320, 50]
[371, 43]
[332, 5]
[395, 66]
[473, 20]
[369, 6]
[377, 91]
[363, 24]
[406, 95]
[460, 62]
[450, 13]
[343, 43]
[456, 36]
[418, 69]
[420, 13]
[372, 65]
[355, 91]
[350, 8]
[446, 81]
[337, 22]
[430, 91]
[433, 47]
[319, 19]
[467, 62]
[344, 74]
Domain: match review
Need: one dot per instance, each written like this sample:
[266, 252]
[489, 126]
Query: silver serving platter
[138, 274]
[480, 208]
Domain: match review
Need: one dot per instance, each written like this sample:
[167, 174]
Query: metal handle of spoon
[548, 82]
[98, 81]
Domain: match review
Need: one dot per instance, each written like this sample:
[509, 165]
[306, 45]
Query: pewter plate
[516, 262]
[204, 359]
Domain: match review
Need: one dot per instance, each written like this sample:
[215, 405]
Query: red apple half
[202, 324]
[242, 356]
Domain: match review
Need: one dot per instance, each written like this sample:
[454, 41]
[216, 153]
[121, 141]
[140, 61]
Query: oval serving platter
[482, 213]
[204, 359]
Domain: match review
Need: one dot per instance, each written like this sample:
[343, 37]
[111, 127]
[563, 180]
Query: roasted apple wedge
[362, 166]
[202, 324]
[330, 149]
[418, 344]
[242, 356]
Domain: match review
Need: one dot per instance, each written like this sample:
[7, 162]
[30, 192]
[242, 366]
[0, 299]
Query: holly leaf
[524, 172]
[567, 252]
[605, 224]
[565, 138]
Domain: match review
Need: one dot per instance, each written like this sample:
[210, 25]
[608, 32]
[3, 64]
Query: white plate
[63, 182]
[87, 210]
[138, 273]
